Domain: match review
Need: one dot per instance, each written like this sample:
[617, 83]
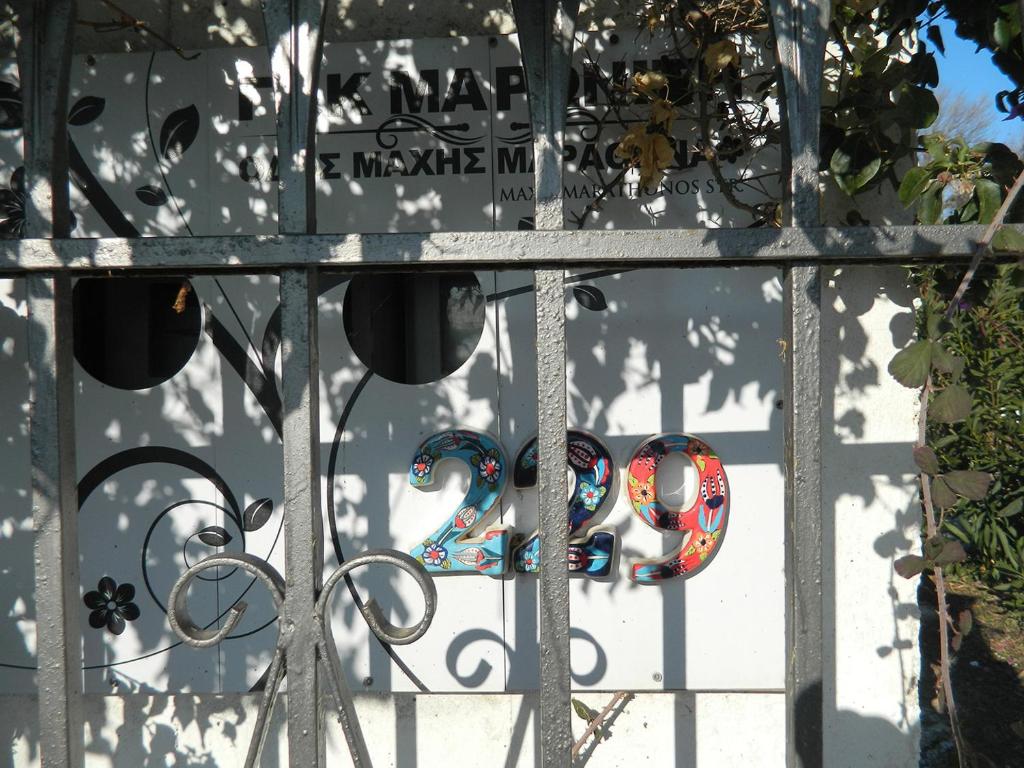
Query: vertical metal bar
[303, 536]
[801, 31]
[546, 31]
[55, 516]
[555, 723]
[804, 577]
[295, 38]
[44, 63]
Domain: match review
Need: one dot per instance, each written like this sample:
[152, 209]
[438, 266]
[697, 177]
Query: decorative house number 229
[465, 544]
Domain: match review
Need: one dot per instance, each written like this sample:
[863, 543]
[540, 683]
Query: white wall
[872, 516]
[404, 731]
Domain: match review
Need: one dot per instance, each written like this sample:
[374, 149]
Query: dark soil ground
[988, 681]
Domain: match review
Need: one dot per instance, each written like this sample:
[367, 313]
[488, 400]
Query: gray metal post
[801, 30]
[555, 712]
[590, 249]
[303, 535]
[294, 36]
[546, 30]
[44, 59]
[55, 516]
[295, 39]
[44, 64]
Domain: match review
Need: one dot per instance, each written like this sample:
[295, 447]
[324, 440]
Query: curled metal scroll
[204, 637]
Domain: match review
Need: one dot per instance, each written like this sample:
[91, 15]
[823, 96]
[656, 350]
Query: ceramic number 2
[453, 548]
[594, 472]
[704, 521]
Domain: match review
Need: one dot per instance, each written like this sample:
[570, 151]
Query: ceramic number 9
[459, 545]
[594, 472]
[704, 521]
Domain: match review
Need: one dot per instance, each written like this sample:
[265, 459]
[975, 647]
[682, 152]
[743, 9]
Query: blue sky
[964, 70]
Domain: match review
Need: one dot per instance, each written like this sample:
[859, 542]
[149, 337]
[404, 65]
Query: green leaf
[942, 496]
[935, 145]
[952, 552]
[1017, 278]
[929, 205]
[1013, 508]
[969, 484]
[989, 199]
[583, 711]
[854, 164]
[911, 366]
[914, 183]
[918, 106]
[933, 547]
[938, 326]
[935, 35]
[965, 622]
[1008, 240]
[1002, 33]
[926, 460]
[1003, 163]
[951, 405]
[945, 362]
[909, 566]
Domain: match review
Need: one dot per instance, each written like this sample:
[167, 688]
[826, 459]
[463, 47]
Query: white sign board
[412, 136]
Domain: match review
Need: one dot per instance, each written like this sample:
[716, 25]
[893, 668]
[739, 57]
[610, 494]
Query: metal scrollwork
[204, 637]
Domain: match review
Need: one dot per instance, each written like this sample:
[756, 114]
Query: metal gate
[48, 260]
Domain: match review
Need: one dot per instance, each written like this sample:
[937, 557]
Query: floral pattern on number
[593, 470]
[453, 548]
[704, 521]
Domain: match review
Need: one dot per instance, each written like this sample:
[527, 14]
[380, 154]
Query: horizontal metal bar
[509, 250]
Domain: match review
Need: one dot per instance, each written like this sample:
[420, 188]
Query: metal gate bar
[303, 535]
[44, 60]
[501, 250]
[801, 33]
[48, 259]
[294, 32]
[55, 519]
[546, 30]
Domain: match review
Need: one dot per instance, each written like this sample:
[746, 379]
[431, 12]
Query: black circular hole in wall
[414, 328]
[129, 332]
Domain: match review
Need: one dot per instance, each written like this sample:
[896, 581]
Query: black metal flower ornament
[111, 605]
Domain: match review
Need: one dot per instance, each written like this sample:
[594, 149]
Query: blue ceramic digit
[594, 472]
[459, 546]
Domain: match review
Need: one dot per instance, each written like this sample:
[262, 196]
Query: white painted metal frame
[47, 258]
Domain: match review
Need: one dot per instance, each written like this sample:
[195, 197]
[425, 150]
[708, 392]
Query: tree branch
[985, 244]
[596, 722]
